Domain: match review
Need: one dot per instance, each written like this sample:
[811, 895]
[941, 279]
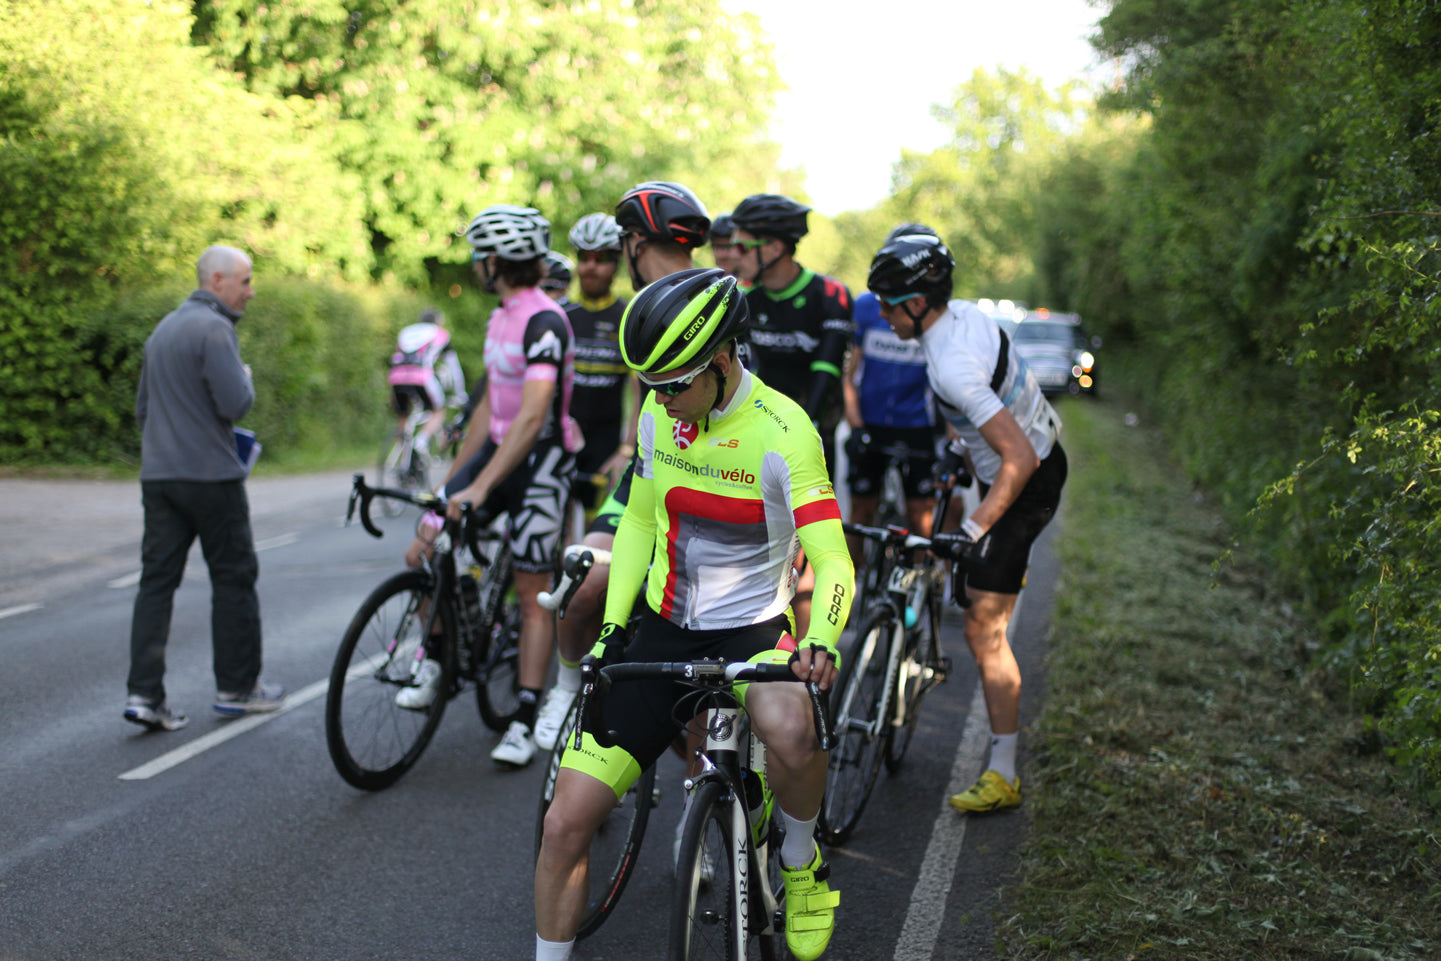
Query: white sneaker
[427, 686]
[551, 716]
[516, 748]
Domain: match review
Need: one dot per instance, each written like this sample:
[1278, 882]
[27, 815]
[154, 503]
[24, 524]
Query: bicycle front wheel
[616, 845]
[856, 758]
[916, 676]
[705, 919]
[372, 739]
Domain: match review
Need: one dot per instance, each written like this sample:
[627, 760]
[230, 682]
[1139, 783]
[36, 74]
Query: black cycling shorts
[864, 473]
[533, 497]
[647, 715]
[1004, 570]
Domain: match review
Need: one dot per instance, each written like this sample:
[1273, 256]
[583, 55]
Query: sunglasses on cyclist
[671, 388]
[749, 244]
[896, 301]
[598, 256]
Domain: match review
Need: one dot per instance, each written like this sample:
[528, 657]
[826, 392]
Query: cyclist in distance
[425, 370]
[800, 323]
[658, 225]
[730, 483]
[556, 282]
[726, 254]
[888, 403]
[518, 455]
[1010, 437]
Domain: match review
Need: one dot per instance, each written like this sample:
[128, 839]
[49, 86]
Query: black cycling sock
[529, 700]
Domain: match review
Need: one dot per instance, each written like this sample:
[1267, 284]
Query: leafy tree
[450, 105]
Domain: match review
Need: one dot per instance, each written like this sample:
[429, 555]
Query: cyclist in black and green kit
[800, 323]
[729, 485]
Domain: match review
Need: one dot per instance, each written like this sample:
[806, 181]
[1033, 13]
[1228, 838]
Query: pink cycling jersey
[529, 338]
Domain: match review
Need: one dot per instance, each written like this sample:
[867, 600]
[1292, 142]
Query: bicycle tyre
[372, 740]
[920, 653]
[497, 679]
[856, 759]
[616, 846]
[393, 454]
[703, 919]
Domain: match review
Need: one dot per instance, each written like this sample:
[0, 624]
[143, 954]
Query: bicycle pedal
[940, 669]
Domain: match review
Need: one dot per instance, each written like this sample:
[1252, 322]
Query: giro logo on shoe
[684, 434]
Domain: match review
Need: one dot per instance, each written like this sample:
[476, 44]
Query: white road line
[19, 609]
[215, 738]
[281, 540]
[933, 884]
[270, 543]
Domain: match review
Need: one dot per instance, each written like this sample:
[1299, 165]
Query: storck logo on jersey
[684, 434]
[760, 405]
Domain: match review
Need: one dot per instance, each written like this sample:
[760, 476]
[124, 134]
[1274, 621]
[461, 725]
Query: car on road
[1057, 349]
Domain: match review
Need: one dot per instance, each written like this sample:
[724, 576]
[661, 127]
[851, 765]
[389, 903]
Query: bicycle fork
[721, 757]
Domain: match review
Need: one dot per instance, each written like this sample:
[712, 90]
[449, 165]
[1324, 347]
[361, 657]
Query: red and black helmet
[662, 210]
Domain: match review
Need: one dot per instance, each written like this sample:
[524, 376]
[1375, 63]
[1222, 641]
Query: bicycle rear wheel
[915, 677]
[372, 740]
[704, 919]
[856, 758]
[616, 846]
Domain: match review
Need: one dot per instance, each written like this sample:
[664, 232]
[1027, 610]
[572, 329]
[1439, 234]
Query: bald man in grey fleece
[193, 388]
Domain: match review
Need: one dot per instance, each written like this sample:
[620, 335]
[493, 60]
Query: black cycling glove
[952, 464]
[857, 443]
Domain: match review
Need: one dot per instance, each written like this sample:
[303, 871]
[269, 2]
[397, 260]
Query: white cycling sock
[799, 847]
[1003, 755]
[552, 950]
[567, 676]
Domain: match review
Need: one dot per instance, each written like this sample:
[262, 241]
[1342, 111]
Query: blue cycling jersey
[892, 381]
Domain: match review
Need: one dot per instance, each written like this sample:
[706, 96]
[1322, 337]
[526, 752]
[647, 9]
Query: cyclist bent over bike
[730, 483]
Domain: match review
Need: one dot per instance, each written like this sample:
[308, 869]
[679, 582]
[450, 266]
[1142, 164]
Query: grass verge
[1197, 792]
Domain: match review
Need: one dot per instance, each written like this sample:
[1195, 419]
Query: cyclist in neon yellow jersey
[730, 483]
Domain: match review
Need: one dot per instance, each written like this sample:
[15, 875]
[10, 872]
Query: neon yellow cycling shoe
[991, 793]
[810, 908]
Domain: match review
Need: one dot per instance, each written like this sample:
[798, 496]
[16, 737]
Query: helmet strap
[720, 390]
[488, 275]
[916, 318]
[632, 260]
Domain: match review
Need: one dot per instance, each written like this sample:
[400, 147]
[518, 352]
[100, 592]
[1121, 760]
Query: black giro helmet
[661, 210]
[721, 228]
[673, 326]
[908, 229]
[913, 264]
[772, 215]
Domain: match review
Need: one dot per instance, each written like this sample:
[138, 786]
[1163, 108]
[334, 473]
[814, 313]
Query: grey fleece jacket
[193, 388]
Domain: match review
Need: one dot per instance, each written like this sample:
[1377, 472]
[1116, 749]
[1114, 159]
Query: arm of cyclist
[826, 366]
[514, 448]
[817, 654]
[1018, 463]
[476, 430]
[630, 554]
[850, 389]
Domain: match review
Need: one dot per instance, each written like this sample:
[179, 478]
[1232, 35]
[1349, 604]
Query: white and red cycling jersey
[529, 338]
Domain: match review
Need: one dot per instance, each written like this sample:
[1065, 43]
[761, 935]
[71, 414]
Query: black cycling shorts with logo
[1004, 570]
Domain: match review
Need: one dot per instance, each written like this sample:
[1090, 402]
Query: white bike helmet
[509, 232]
[595, 232]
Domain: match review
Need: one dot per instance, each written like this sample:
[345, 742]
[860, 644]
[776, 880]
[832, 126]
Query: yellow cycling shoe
[991, 793]
[810, 908]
